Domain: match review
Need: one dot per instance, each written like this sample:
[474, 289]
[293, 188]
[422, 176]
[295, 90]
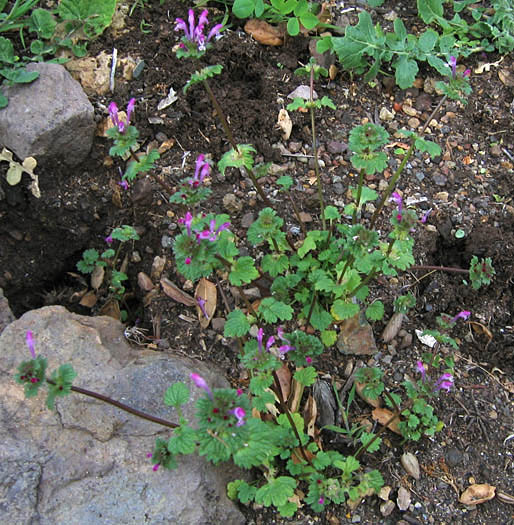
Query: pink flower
[466, 73]
[445, 382]
[187, 221]
[200, 382]
[201, 304]
[212, 233]
[461, 315]
[396, 197]
[269, 342]
[308, 360]
[109, 239]
[113, 113]
[202, 170]
[194, 33]
[422, 370]
[321, 500]
[188, 260]
[452, 63]
[30, 343]
[240, 414]
[239, 392]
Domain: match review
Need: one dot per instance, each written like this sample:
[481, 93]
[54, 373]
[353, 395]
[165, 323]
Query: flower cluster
[444, 382]
[194, 42]
[202, 170]
[452, 64]
[113, 113]
[400, 214]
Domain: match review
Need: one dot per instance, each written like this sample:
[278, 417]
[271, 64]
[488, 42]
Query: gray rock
[86, 462]
[49, 119]
[6, 316]
[232, 204]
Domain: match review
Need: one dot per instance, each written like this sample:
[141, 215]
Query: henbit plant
[92, 259]
[366, 47]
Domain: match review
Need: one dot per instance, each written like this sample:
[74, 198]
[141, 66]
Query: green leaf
[306, 376]
[246, 493]
[332, 213]
[430, 10]
[43, 23]
[176, 395]
[3, 101]
[236, 325]
[237, 158]
[365, 438]
[375, 311]
[275, 264]
[285, 181]
[276, 492]
[6, 51]
[428, 146]
[372, 162]
[183, 440]
[320, 318]
[427, 40]
[308, 244]
[342, 310]
[243, 8]
[293, 26]
[405, 71]
[203, 74]
[243, 271]
[273, 310]
[288, 509]
[328, 337]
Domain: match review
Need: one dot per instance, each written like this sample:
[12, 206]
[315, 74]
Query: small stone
[453, 457]
[16, 235]
[166, 241]
[384, 492]
[406, 341]
[386, 508]
[441, 196]
[411, 465]
[409, 110]
[413, 122]
[305, 217]
[338, 188]
[321, 163]
[382, 185]
[188, 286]
[157, 267]
[253, 293]
[295, 147]
[136, 257]
[356, 518]
[496, 151]
[386, 115]
[423, 102]
[218, 324]
[144, 282]
[247, 219]
[336, 147]
[419, 175]
[439, 179]
[142, 191]
[231, 203]
[403, 499]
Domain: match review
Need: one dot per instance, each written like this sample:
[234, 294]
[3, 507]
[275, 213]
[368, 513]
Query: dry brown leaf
[150, 296]
[411, 464]
[310, 412]
[383, 415]
[393, 327]
[284, 123]
[481, 328]
[359, 387]
[173, 291]
[296, 397]
[97, 277]
[112, 309]
[477, 493]
[284, 377]
[264, 33]
[507, 77]
[505, 498]
[144, 282]
[207, 291]
[166, 145]
[89, 299]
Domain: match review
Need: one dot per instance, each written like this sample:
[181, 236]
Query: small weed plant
[316, 283]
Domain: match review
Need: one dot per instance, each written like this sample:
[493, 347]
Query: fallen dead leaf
[403, 499]
[383, 415]
[166, 145]
[264, 33]
[285, 123]
[284, 377]
[477, 493]
[97, 277]
[150, 296]
[173, 291]
[144, 282]
[207, 291]
[393, 327]
[89, 299]
[310, 412]
[504, 497]
[112, 309]
[481, 329]
[507, 77]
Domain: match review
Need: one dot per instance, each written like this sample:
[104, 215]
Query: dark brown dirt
[41, 240]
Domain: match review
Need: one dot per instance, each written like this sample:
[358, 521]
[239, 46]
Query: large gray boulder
[86, 463]
[50, 119]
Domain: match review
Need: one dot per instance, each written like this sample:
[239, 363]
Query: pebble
[386, 508]
[218, 324]
[409, 110]
[423, 102]
[382, 185]
[338, 188]
[136, 257]
[496, 151]
[453, 457]
[413, 122]
[356, 518]
[321, 163]
[386, 115]
[247, 219]
[295, 147]
[231, 203]
[337, 147]
[439, 179]
[441, 196]
[166, 241]
[419, 175]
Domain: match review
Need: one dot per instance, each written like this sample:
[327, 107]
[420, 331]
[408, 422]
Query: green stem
[349, 261]
[316, 170]
[230, 137]
[313, 303]
[398, 172]
[359, 193]
[163, 184]
[119, 405]
[440, 268]
[297, 214]
[286, 411]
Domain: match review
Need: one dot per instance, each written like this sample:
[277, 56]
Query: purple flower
[193, 33]
[156, 467]
[109, 239]
[308, 360]
[113, 113]
[200, 382]
[187, 221]
[202, 170]
[445, 382]
[269, 342]
[422, 370]
[201, 304]
[187, 260]
[239, 392]
[321, 500]
[461, 315]
[30, 343]
[240, 415]
[287, 347]
[452, 63]
[399, 202]
[212, 233]
[425, 216]
[466, 73]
